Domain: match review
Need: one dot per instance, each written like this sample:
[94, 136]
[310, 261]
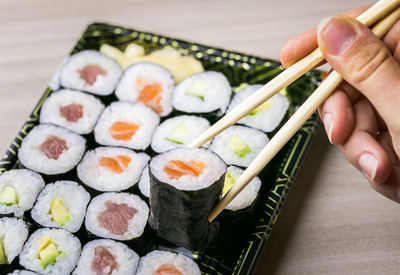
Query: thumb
[362, 60]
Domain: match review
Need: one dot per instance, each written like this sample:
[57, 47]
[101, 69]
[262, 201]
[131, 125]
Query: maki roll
[92, 72]
[51, 251]
[62, 205]
[111, 168]
[118, 216]
[239, 145]
[163, 262]
[247, 196]
[126, 124]
[13, 234]
[74, 110]
[265, 117]
[185, 184]
[144, 182]
[51, 149]
[18, 191]
[204, 92]
[107, 257]
[178, 132]
[149, 84]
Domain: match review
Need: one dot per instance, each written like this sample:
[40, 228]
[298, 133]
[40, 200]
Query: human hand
[363, 114]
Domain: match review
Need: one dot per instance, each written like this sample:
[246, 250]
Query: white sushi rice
[191, 127]
[254, 139]
[136, 225]
[213, 85]
[104, 84]
[103, 178]
[266, 119]
[74, 199]
[23, 272]
[150, 263]
[214, 170]
[13, 234]
[27, 185]
[64, 241]
[92, 108]
[32, 157]
[129, 90]
[247, 196]
[126, 259]
[135, 113]
[144, 182]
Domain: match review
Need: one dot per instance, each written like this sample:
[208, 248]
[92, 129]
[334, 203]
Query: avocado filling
[58, 212]
[197, 89]
[230, 180]
[239, 147]
[8, 196]
[263, 106]
[177, 135]
[3, 256]
[48, 252]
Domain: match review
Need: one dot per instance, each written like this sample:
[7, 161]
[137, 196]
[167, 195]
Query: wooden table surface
[332, 222]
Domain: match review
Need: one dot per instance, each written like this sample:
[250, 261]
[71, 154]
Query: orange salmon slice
[123, 130]
[167, 269]
[117, 164]
[177, 168]
[150, 94]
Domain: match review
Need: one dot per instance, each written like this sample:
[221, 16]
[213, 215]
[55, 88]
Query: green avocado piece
[177, 134]
[266, 104]
[198, 89]
[8, 196]
[3, 256]
[48, 252]
[230, 180]
[58, 212]
[239, 147]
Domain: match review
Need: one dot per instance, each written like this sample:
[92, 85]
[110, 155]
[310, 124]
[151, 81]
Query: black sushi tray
[238, 247]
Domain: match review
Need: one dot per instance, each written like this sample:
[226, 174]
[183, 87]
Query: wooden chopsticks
[376, 12]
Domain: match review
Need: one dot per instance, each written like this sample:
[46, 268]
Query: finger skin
[392, 38]
[304, 43]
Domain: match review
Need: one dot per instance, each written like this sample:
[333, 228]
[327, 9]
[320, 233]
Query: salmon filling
[90, 72]
[53, 147]
[177, 168]
[116, 217]
[150, 94]
[72, 112]
[117, 164]
[103, 261]
[123, 130]
[167, 269]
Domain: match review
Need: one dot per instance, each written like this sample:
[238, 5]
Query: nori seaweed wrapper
[180, 216]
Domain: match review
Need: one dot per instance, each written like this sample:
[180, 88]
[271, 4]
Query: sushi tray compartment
[99, 180]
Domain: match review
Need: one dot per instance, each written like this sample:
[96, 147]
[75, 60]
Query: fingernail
[328, 123]
[336, 34]
[368, 164]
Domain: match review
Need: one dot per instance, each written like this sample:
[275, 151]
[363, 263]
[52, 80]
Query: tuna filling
[103, 261]
[167, 269]
[53, 147]
[72, 112]
[116, 217]
[90, 72]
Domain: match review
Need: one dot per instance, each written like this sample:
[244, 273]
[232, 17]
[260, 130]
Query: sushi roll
[165, 262]
[144, 182]
[118, 216]
[149, 84]
[61, 205]
[202, 93]
[13, 234]
[126, 124]
[185, 184]
[18, 191]
[73, 110]
[111, 168]
[51, 149]
[239, 145]
[178, 132]
[107, 257]
[22, 272]
[51, 251]
[247, 196]
[92, 72]
[265, 117]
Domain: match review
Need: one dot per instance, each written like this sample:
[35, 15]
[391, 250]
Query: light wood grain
[332, 223]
